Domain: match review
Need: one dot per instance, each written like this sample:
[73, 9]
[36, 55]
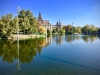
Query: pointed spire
[57, 23]
[40, 16]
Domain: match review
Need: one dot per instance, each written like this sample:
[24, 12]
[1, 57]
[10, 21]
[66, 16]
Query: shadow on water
[67, 62]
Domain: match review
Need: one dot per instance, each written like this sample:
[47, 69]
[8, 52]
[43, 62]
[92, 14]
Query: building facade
[48, 25]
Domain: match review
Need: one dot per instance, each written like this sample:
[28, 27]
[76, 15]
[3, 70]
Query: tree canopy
[27, 22]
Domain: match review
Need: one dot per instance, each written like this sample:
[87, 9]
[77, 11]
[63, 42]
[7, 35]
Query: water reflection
[85, 38]
[70, 38]
[82, 58]
[27, 49]
[90, 38]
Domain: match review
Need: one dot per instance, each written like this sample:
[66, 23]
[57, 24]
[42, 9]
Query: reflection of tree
[27, 49]
[8, 51]
[90, 38]
[85, 38]
[69, 38]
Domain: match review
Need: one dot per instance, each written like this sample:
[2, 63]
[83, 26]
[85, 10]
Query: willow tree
[7, 25]
[27, 22]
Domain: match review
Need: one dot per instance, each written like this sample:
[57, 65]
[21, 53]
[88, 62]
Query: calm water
[56, 55]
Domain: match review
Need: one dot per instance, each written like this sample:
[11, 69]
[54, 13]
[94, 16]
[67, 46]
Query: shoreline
[14, 36]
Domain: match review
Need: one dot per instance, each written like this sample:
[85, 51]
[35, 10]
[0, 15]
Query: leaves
[7, 25]
[27, 21]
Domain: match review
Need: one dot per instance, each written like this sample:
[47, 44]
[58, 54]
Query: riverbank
[21, 36]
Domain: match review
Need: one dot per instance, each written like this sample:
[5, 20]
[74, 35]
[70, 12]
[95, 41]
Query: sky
[80, 12]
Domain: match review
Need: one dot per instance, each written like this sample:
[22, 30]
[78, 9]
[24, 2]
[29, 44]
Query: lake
[55, 55]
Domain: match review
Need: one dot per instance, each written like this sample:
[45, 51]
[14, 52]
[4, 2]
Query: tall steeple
[40, 16]
[57, 23]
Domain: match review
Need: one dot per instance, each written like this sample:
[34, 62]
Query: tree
[42, 30]
[93, 29]
[54, 31]
[62, 31]
[7, 25]
[68, 29]
[86, 28]
[48, 31]
[89, 29]
[27, 21]
[78, 29]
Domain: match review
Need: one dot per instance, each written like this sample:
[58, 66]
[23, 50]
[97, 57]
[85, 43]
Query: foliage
[93, 29]
[48, 31]
[27, 22]
[86, 28]
[62, 31]
[54, 31]
[68, 29]
[8, 25]
[78, 29]
[89, 29]
[42, 30]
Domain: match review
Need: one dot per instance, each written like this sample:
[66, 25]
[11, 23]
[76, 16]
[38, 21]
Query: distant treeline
[87, 29]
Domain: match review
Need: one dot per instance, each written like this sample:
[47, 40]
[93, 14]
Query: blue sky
[80, 12]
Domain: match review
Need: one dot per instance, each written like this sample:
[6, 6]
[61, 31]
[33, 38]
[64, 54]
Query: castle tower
[40, 16]
[57, 23]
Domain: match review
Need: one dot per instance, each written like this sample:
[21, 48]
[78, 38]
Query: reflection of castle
[48, 25]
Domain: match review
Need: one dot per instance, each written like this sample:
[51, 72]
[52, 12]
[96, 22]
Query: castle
[48, 25]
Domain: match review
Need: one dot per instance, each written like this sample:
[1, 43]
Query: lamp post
[18, 63]
[72, 27]
[72, 34]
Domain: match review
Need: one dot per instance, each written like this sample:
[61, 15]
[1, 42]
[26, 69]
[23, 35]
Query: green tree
[68, 29]
[42, 30]
[78, 29]
[48, 31]
[62, 31]
[54, 31]
[93, 29]
[27, 21]
[86, 28]
[8, 25]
